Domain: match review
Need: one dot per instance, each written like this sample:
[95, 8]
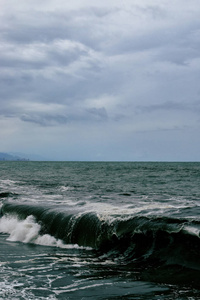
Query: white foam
[192, 230]
[7, 182]
[64, 188]
[24, 231]
[28, 231]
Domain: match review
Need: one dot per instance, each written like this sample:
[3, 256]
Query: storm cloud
[100, 81]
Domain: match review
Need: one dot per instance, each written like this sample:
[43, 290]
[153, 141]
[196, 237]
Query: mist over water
[73, 230]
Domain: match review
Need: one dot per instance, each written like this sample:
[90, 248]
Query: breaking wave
[146, 242]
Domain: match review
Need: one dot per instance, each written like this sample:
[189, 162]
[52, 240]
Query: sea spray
[28, 231]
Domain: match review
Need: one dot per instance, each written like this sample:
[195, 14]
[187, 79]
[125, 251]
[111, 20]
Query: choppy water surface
[78, 230]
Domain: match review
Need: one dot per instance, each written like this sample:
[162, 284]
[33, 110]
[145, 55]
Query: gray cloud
[44, 119]
[69, 117]
[98, 114]
[115, 68]
[166, 106]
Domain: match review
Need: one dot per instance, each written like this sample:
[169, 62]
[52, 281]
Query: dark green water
[78, 230]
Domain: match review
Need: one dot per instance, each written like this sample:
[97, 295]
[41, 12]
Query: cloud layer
[100, 81]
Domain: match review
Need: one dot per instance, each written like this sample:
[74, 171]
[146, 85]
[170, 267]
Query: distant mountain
[29, 156]
[10, 157]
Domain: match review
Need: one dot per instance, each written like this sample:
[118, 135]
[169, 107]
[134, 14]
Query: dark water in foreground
[78, 230]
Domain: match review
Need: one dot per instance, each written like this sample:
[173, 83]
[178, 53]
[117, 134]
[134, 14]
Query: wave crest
[153, 241]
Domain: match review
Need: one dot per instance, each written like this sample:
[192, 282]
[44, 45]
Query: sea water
[99, 230]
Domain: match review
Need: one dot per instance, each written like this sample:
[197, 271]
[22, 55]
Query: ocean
[99, 230]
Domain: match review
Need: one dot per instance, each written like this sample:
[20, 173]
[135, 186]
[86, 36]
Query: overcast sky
[100, 80]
